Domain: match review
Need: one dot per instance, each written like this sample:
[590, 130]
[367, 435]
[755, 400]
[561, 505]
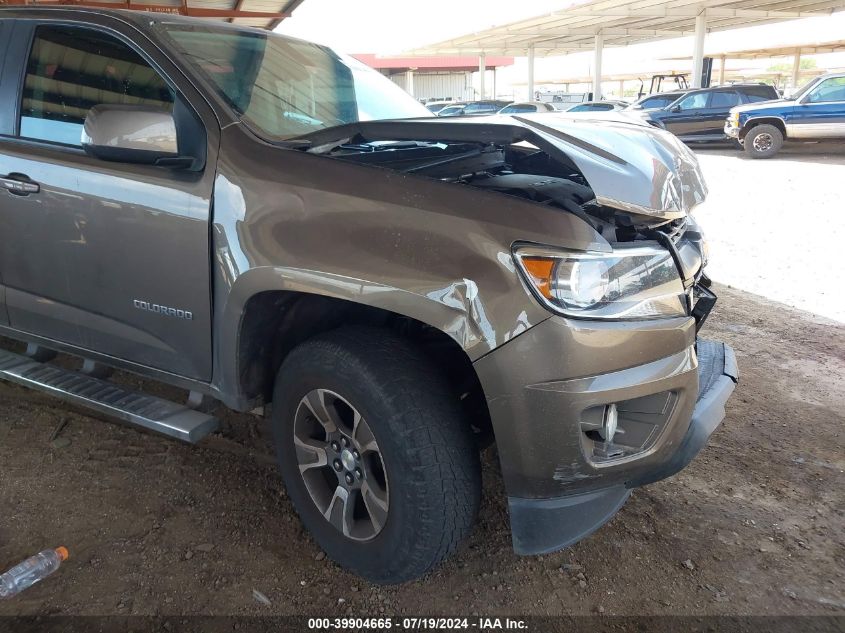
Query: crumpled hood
[630, 165]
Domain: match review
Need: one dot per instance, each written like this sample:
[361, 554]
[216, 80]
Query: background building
[439, 78]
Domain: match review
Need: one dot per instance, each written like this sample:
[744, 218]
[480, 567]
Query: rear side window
[724, 100]
[70, 70]
[480, 107]
[519, 107]
[755, 94]
[657, 102]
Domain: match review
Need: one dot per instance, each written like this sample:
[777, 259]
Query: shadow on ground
[753, 526]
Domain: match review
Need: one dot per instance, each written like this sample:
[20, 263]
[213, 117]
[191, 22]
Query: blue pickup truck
[813, 113]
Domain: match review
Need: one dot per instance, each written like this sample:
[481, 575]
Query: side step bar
[163, 416]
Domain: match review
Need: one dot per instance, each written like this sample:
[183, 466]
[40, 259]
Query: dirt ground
[753, 526]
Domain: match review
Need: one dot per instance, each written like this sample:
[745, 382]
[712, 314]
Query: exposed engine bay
[517, 169]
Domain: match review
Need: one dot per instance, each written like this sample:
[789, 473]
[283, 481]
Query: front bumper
[731, 131]
[670, 390]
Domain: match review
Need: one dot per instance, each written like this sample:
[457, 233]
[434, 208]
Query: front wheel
[375, 453]
[763, 141]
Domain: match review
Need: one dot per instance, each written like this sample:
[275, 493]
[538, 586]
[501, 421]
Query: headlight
[632, 282]
[733, 119]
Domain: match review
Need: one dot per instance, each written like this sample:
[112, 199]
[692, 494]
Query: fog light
[608, 427]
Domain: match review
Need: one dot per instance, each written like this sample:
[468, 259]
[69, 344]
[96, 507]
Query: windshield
[283, 88]
[797, 94]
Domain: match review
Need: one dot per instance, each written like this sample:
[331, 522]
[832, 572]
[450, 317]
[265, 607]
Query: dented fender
[286, 220]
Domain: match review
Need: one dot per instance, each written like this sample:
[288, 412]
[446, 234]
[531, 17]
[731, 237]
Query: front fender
[436, 252]
[454, 308]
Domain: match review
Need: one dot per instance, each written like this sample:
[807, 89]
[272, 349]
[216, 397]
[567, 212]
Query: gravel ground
[753, 526]
[776, 226]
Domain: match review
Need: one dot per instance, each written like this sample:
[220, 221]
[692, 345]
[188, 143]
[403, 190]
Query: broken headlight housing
[630, 282]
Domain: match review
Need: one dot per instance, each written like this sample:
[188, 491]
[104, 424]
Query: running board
[155, 414]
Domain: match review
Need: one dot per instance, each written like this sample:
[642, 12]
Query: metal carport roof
[260, 13]
[623, 22]
[814, 47]
[595, 24]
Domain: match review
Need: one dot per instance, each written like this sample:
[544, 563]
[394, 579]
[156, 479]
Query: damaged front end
[620, 177]
[614, 390]
[630, 182]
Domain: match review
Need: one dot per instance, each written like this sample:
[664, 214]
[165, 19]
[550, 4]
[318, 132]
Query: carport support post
[722, 70]
[796, 69]
[597, 67]
[698, 49]
[482, 71]
[409, 82]
[531, 72]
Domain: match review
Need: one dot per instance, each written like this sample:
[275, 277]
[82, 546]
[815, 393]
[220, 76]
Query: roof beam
[238, 6]
[691, 11]
[590, 30]
[181, 9]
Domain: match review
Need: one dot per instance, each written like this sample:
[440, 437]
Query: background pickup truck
[263, 222]
[815, 112]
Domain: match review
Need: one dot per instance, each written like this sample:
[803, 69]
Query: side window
[658, 102]
[761, 93]
[72, 69]
[520, 107]
[5, 26]
[694, 101]
[480, 107]
[755, 98]
[724, 99]
[832, 89]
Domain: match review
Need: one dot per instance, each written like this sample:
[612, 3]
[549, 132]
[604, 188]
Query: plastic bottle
[30, 571]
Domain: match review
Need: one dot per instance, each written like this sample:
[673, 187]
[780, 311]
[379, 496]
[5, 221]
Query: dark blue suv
[815, 112]
[699, 115]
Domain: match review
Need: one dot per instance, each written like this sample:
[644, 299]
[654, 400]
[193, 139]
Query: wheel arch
[763, 120]
[264, 325]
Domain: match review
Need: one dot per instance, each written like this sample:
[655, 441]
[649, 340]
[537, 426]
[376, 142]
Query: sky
[393, 26]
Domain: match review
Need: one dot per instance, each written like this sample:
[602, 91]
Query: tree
[807, 63]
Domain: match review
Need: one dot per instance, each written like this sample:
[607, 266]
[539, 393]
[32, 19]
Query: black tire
[763, 141]
[430, 461]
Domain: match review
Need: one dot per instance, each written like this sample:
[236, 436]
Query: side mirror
[131, 134]
[676, 109]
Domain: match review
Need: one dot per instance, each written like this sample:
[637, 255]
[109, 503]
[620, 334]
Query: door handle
[19, 184]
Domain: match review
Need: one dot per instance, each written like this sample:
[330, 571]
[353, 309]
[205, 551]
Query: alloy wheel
[763, 142]
[341, 464]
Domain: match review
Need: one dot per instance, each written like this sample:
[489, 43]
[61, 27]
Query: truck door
[107, 256]
[7, 90]
[821, 114]
[718, 108]
[686, 116]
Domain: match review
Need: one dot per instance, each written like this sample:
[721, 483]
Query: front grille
[675, 229]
